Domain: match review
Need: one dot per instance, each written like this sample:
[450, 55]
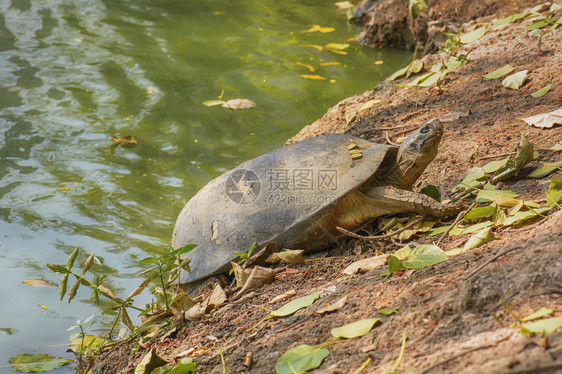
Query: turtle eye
[424, 130]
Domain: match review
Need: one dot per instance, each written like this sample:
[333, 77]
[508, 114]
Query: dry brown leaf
[240, 274]
[545, 120]
[180, 303]
[366, 264]
[287, 256]
[333, 307]
[258, 278]
[236, 104]
[217, 297]
[195, 313]
[124, 140]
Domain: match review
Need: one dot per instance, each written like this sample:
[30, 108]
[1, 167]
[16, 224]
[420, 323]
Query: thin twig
[376, 237]
[457, 220]
[398, 127]
[489, 261]
[390, 141]
[495, 156]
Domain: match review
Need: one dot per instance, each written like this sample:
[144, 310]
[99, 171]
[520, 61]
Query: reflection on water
[74, 72]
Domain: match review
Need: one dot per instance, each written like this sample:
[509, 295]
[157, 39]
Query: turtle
[297, 196]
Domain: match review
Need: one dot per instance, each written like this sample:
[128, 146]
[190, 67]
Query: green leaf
[415, 7]
[543, 326]
[213, 102]
[388, 312]
[479, 212]
[543, 91]
[492, 167]
[403, 253]
[425, 255]
[554, 194]
[545, 169]
[185, 366]
[182, 250]
[26, 363]
[557, 147]
[394, 265]
[455, 62]
[398, 73]
[71, 259]
[73, 290]
[88, 263]
[537, 25]
[300, 359]
[431, 80]
[58, 268]
[515, 81]
[62, 285]
[510, 19]
[436, 231]
[520, 217]
[295, 305]
[542, 312]
[470, 229]
[355, 329]
[498, 73]
[89, 346]
[486, 196]
[479, 239]
[473, 36]
[524, 155]
[150, 362]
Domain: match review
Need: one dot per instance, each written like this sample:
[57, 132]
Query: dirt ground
[450, 312]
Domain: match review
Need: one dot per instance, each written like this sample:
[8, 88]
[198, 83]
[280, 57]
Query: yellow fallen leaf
[379, 62]
[78, 40]
[313, 77]
[333, 63]
[369, 104]
[337, 46]
[319, 48]
[318, 28]
[325, 30]
[152, 90]
[37, 283]
[332, 81]
[337, 52]
[65, 188]
[314, 28]
[124, 140]
[44, 307]
[311, 68]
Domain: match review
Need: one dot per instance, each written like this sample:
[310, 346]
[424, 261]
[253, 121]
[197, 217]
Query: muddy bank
[454, 314]
[388, 22]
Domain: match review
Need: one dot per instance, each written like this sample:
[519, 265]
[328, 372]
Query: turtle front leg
[393, 200]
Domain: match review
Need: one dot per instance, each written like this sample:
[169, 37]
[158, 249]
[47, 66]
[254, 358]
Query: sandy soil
[451, 312]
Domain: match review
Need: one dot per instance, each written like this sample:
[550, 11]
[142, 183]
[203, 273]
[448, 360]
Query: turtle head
[417, 151]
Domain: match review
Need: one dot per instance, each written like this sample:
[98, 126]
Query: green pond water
[72, 73]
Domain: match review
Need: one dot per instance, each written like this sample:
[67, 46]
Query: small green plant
[166, 267]
[166, 270]
[84, 346]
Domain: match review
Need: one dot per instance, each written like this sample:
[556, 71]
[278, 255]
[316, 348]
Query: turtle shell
[283, 197]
